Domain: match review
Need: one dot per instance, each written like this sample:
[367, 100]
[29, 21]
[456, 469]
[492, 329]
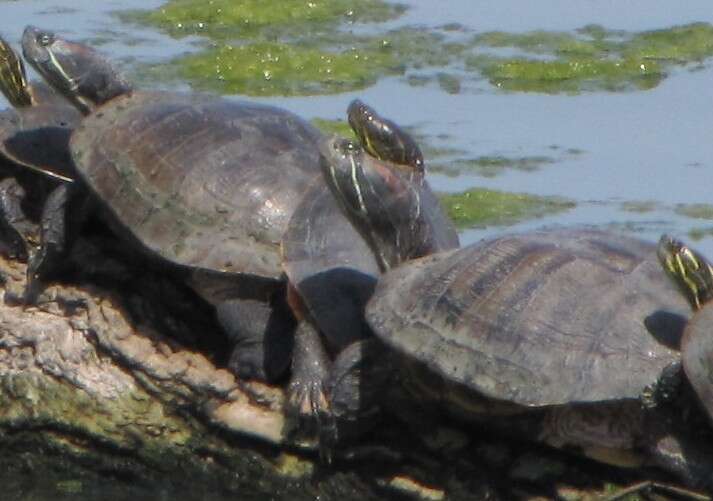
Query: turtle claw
[310, 408]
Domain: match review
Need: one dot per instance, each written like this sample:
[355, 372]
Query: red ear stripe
[295, 302]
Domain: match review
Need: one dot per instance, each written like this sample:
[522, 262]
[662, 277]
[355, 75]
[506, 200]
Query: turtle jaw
[691, 272]
[383, 139]
[360, 117]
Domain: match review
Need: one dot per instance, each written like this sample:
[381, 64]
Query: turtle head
[381, 199]
[75, 70]
[13, 78]
[382, 138]
[691, 272]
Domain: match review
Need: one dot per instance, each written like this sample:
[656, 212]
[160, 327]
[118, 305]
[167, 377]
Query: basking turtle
[559, 333]
[34, 134]
[693, 274]
[230, 193]
[40, 118]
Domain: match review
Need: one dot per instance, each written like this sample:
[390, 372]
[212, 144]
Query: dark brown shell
[697, 355]
[539, 319]
[38, 136]
[200, 181]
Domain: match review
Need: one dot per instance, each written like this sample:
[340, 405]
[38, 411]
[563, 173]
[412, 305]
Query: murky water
[654, 145]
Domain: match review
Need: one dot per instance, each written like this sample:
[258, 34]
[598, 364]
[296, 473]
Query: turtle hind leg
[261, 336]
[62, 217]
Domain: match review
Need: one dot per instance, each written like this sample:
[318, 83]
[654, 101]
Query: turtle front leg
[14, 226]
[63, 214]
[307, 397]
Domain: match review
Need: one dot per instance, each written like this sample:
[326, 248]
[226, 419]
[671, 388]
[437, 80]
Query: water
[653, 145]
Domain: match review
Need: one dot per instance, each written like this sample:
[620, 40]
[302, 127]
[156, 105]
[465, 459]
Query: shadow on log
[112, 389]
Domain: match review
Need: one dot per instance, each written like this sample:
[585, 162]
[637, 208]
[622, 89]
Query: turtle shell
[539, 319]
[199, 181]
[38, 136]
[697, 355]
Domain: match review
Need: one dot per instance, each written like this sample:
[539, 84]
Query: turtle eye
[345, 146]
[45, 39]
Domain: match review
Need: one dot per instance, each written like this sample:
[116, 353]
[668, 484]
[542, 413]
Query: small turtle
[559, 334]
[693, 274]
[40, 117]
[36, 132]
[232, 194]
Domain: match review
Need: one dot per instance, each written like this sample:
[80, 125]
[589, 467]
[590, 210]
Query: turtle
[232, 194]
[560, 336]
[693, 274]
[40, 117]
[40, 123]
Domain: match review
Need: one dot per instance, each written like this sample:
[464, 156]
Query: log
[113, 387]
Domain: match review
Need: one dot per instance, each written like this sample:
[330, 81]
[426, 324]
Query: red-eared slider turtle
[227, 191]
[36, 132]
[693, 274]
[560, 334]
[33, 138]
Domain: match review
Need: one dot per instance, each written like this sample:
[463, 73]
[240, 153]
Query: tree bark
[98, 398]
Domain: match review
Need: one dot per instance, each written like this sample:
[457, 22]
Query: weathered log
[98, 397]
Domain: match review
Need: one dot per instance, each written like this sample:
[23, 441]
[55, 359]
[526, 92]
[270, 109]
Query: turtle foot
[308, 404]
[309, 408]
[666, 389]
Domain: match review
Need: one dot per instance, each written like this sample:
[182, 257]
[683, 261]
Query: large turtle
[232, 194]
[693, 274]
[563, 335]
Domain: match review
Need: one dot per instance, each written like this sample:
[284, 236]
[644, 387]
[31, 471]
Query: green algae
[591, 59]
[640, 206]
[70, 486]
[695, 211]
[339, 127]
[450, 84]
[269, 68]
[482, 207]
[520, 74]
[289, 47]
[220, 19]
[491, 166]
[698, 234]
[680, 44]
